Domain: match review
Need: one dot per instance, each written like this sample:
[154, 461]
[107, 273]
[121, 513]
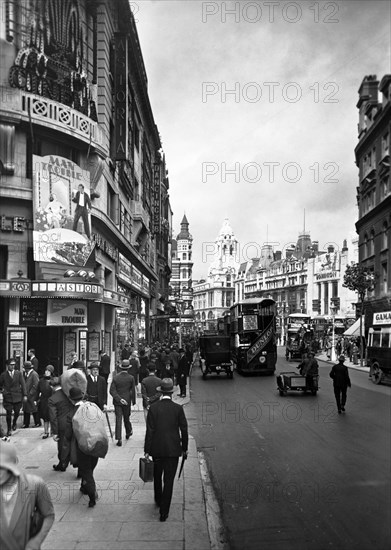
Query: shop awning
[354, 329]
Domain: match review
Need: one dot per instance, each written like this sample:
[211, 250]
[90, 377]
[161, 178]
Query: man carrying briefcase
[166, 439]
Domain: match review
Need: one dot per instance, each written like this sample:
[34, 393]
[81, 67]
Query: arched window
[203, 316]
[210, 315]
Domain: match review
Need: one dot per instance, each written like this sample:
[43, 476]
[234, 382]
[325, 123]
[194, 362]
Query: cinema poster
[62, 211]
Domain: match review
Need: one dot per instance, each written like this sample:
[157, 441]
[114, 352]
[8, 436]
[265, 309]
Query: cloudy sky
[256, 107]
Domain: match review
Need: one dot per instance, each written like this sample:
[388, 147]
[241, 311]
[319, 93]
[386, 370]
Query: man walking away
[123, 391]
[13, 387]
[340, 375]
[166, 439]
[149, 387]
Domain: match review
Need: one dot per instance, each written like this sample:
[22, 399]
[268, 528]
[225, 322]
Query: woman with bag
[27, 512]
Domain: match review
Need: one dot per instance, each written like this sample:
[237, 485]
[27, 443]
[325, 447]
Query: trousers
[122, 411]
[340, 396]
[164, 469]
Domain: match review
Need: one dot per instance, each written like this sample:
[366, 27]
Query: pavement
[125, 516]
[323, 357]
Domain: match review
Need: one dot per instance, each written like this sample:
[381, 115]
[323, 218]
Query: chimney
[315, 246]
[330, 249]
[344, 246]
[277, 255]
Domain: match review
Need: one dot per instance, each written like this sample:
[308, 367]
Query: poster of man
[62, 211]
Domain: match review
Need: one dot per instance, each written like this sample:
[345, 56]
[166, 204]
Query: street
[289, 472]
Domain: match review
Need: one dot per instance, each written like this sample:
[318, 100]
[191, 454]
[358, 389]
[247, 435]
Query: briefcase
[146, 469]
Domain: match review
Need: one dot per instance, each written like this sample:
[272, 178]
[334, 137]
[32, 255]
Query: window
[184, 256]
[384, 277]
[385, 236]
[372, 243]
[385, 145]
[366, 246]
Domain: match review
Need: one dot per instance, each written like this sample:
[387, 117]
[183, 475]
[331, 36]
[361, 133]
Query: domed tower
[227, 252]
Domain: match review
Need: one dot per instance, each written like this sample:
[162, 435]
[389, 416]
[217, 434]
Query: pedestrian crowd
[61, 402]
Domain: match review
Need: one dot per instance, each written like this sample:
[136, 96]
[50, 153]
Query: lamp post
[333, 356]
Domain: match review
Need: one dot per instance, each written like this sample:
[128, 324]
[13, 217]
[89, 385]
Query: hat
[50, 368]
[94, 365]
[181, 350]
[55, 381]
[78, 365]
[8, 457]
[76, 394]
[166, 386]
[27, 365]
[341, 358]
[125, 364]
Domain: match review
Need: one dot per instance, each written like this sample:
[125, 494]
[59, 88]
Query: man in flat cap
[123, 391]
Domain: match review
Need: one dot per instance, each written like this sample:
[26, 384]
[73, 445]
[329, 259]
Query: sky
[255, 103]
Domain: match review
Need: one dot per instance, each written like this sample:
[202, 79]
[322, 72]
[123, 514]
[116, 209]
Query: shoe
[179, 395]
[9, 433]
[339, 411]
[24, 426]
[45, 436]
[13, 427]
[343, 409]
[58, 468]
[129, 434]
[119, 443]
[37, 425]
[163, 517]
[91, 504]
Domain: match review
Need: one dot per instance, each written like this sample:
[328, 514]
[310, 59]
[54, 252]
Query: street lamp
[333, 356]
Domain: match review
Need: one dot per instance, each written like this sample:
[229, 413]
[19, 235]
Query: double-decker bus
[253, 335]
[379, 347]
[299, 335]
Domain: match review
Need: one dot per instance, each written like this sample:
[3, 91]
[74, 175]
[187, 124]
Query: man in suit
[166, 439]
[148, 388]
[31, 379]
[33, 359]
[182, 373]
[104, 365]
[13, 388]
[61, 411]
[341, 381]
[123, 391]
[83, 208]
[126, 352]
[96, 387]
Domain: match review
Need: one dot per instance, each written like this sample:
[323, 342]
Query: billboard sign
[62, 211]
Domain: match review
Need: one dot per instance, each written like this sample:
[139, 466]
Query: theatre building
[83, 188]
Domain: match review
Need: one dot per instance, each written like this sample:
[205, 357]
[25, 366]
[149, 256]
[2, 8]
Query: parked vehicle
[215, 355]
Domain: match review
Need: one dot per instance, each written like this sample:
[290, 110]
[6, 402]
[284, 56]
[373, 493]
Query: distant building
[214, 296]
[374, 190]
[181, 283]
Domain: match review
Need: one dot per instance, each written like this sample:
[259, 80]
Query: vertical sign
[156, 198]
[121, 97]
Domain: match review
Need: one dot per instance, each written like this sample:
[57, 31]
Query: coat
[14, 388]
[123, 387]
[340, 375]
[97, 392]
[60, 412]
[45, 391]
[167, 434]
[148, 389]
[104, 365]
[32, 381]
[183, 368]
[31, 491]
